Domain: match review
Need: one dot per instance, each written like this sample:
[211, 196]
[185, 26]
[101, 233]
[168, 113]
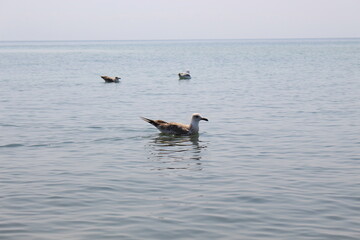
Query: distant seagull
[110, 79]
[178, 128]
[185, 75]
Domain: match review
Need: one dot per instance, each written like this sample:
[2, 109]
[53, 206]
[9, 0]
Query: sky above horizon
[22, 20]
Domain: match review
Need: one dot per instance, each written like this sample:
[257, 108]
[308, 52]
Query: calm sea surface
[278, 159]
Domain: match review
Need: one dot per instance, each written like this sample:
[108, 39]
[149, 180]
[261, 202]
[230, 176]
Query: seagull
[110, 79]
[185, 75]
[178, 128]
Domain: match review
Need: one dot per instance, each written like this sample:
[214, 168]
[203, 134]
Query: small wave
[8, 125]
[95, 127]
[40, 145]
[12, 145]
[114, 139]
[100, 188]
[11, 225]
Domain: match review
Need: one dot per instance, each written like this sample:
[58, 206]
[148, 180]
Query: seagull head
[197, 118]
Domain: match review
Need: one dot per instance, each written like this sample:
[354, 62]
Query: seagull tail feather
[149, 121]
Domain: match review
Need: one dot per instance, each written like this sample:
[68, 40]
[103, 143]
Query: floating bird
[110, 79]
[178, 128]
[185, 75]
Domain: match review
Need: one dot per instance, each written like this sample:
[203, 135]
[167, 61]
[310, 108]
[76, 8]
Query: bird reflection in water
[176, 152]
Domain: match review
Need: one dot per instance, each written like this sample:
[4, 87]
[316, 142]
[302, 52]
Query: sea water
[278, 159]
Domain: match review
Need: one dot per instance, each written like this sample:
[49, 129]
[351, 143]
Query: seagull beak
[205, 119]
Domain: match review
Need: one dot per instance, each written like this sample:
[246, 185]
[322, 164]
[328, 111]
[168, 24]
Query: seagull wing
[108, 79]
[169, 128]
[174, 128]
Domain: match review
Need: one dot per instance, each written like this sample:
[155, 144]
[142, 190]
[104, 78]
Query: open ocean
[279, 158]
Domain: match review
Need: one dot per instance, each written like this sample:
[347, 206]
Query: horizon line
[183, 39]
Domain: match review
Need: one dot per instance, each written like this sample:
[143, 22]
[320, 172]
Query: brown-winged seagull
[178, 128]
[110, 79]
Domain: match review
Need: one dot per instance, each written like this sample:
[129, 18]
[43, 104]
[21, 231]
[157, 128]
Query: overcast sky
[177, 19]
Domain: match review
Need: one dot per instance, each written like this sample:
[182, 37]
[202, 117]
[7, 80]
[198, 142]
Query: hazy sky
[177, 19]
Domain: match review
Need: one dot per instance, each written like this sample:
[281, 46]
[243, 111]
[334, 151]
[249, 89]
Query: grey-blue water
[278, 159]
